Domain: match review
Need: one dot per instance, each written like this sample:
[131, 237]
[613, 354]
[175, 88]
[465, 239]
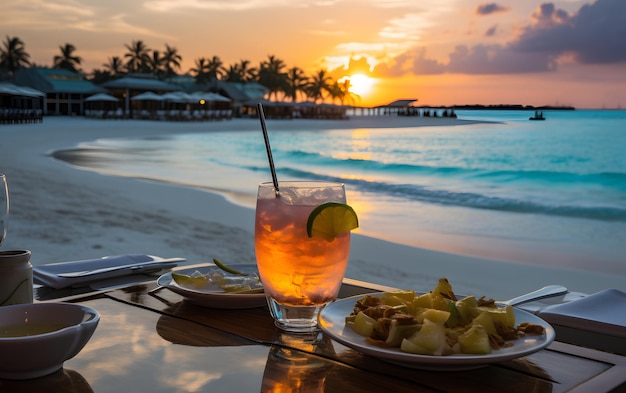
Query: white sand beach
[62, 213]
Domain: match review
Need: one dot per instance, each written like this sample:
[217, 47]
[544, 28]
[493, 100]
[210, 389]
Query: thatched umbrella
[101, 97]
[101, 101]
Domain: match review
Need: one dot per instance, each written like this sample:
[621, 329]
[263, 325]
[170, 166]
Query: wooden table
[151, 340]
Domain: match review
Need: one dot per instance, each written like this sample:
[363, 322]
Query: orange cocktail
[300, 274]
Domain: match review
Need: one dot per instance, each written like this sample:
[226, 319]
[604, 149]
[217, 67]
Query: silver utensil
[542, 293]
[139, 267]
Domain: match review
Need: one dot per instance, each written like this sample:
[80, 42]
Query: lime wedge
[331, 219]
[227, 268]
[184, 280]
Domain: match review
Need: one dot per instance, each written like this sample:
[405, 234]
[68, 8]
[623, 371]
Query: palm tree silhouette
[171, 60]
[296, 83]
[240, 72]
[271, 76]
[199, 68]
[13, 56]
[154, 63]
[114, 66]
[341, 91]
[319, 85]
[215, 68]
[137, 56]
[67, 60]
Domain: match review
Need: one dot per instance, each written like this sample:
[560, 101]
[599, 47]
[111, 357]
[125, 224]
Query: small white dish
[332, 322]
[36, 339]
[214, 298]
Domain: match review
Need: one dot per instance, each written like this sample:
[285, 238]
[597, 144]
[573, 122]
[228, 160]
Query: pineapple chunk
[431, 338]
[475, 341]
[443, 289]
[406, 295]
[437, 316]
[363, 324]
[422, 301]
[408, 346]
[468, 309]
[484, 320]
[400, 298]
[399, 332]
[505, 315]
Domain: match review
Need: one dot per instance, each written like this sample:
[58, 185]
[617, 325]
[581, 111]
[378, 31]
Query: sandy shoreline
[63, 213]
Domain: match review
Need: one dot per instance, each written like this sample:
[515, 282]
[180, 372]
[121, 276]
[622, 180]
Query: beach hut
[20, 103]
[212, 106]
[145, 105]
[65, 90]
[101, 97]
[98, 105]
[147, 96]
[402, 107]
[134, 84]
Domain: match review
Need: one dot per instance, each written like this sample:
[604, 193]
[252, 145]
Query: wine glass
[4, 207]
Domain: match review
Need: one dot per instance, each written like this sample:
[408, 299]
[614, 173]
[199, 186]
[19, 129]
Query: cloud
[497, 59]
[229, 5]
[413, 61]
[356, 65]
[80, 16]
[491, 31]
[593, 35]
[491, 8]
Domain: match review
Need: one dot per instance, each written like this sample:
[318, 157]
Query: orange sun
[361, 84]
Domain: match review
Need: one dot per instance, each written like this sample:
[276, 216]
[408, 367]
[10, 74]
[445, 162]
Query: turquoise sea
[551, 192]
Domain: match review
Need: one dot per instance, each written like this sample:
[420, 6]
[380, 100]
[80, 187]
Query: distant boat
[538, 116]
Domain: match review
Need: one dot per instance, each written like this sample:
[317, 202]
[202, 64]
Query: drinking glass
[300, 274]
[4, 207]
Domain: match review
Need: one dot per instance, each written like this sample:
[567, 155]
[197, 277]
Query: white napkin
[48, 275]
[603, 312]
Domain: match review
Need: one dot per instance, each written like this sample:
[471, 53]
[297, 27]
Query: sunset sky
[442, 52]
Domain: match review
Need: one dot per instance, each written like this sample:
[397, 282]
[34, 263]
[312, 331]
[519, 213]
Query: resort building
[20, 104]
[65, 90]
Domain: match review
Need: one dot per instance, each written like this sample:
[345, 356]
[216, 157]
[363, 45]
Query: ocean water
[551, 192]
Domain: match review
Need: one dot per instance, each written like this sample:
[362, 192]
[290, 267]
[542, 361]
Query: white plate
[214, 299]
[332, 322]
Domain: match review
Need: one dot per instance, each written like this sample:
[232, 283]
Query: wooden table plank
[553, 370]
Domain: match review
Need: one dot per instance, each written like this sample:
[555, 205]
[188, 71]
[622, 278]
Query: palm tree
[240, 72]
[99, 76]
[137, 56]
[215, 68]
[171, 60]
[341, 91]
[199, 68]
[336, 92]
[247, 73]
[271, 75]
[296, 83]
[154, 64]
[232, 73]
[13, 56]
[319, 84]
[346, 94]
[115, 67]
[67, 60]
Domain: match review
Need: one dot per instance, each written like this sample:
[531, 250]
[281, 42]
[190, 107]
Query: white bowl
[44, 336]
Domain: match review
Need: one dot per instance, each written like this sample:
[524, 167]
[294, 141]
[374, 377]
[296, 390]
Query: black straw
[267, 147]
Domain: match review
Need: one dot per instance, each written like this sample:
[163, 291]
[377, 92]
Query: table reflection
[64, 380]
[126, 354]
[291, 367]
